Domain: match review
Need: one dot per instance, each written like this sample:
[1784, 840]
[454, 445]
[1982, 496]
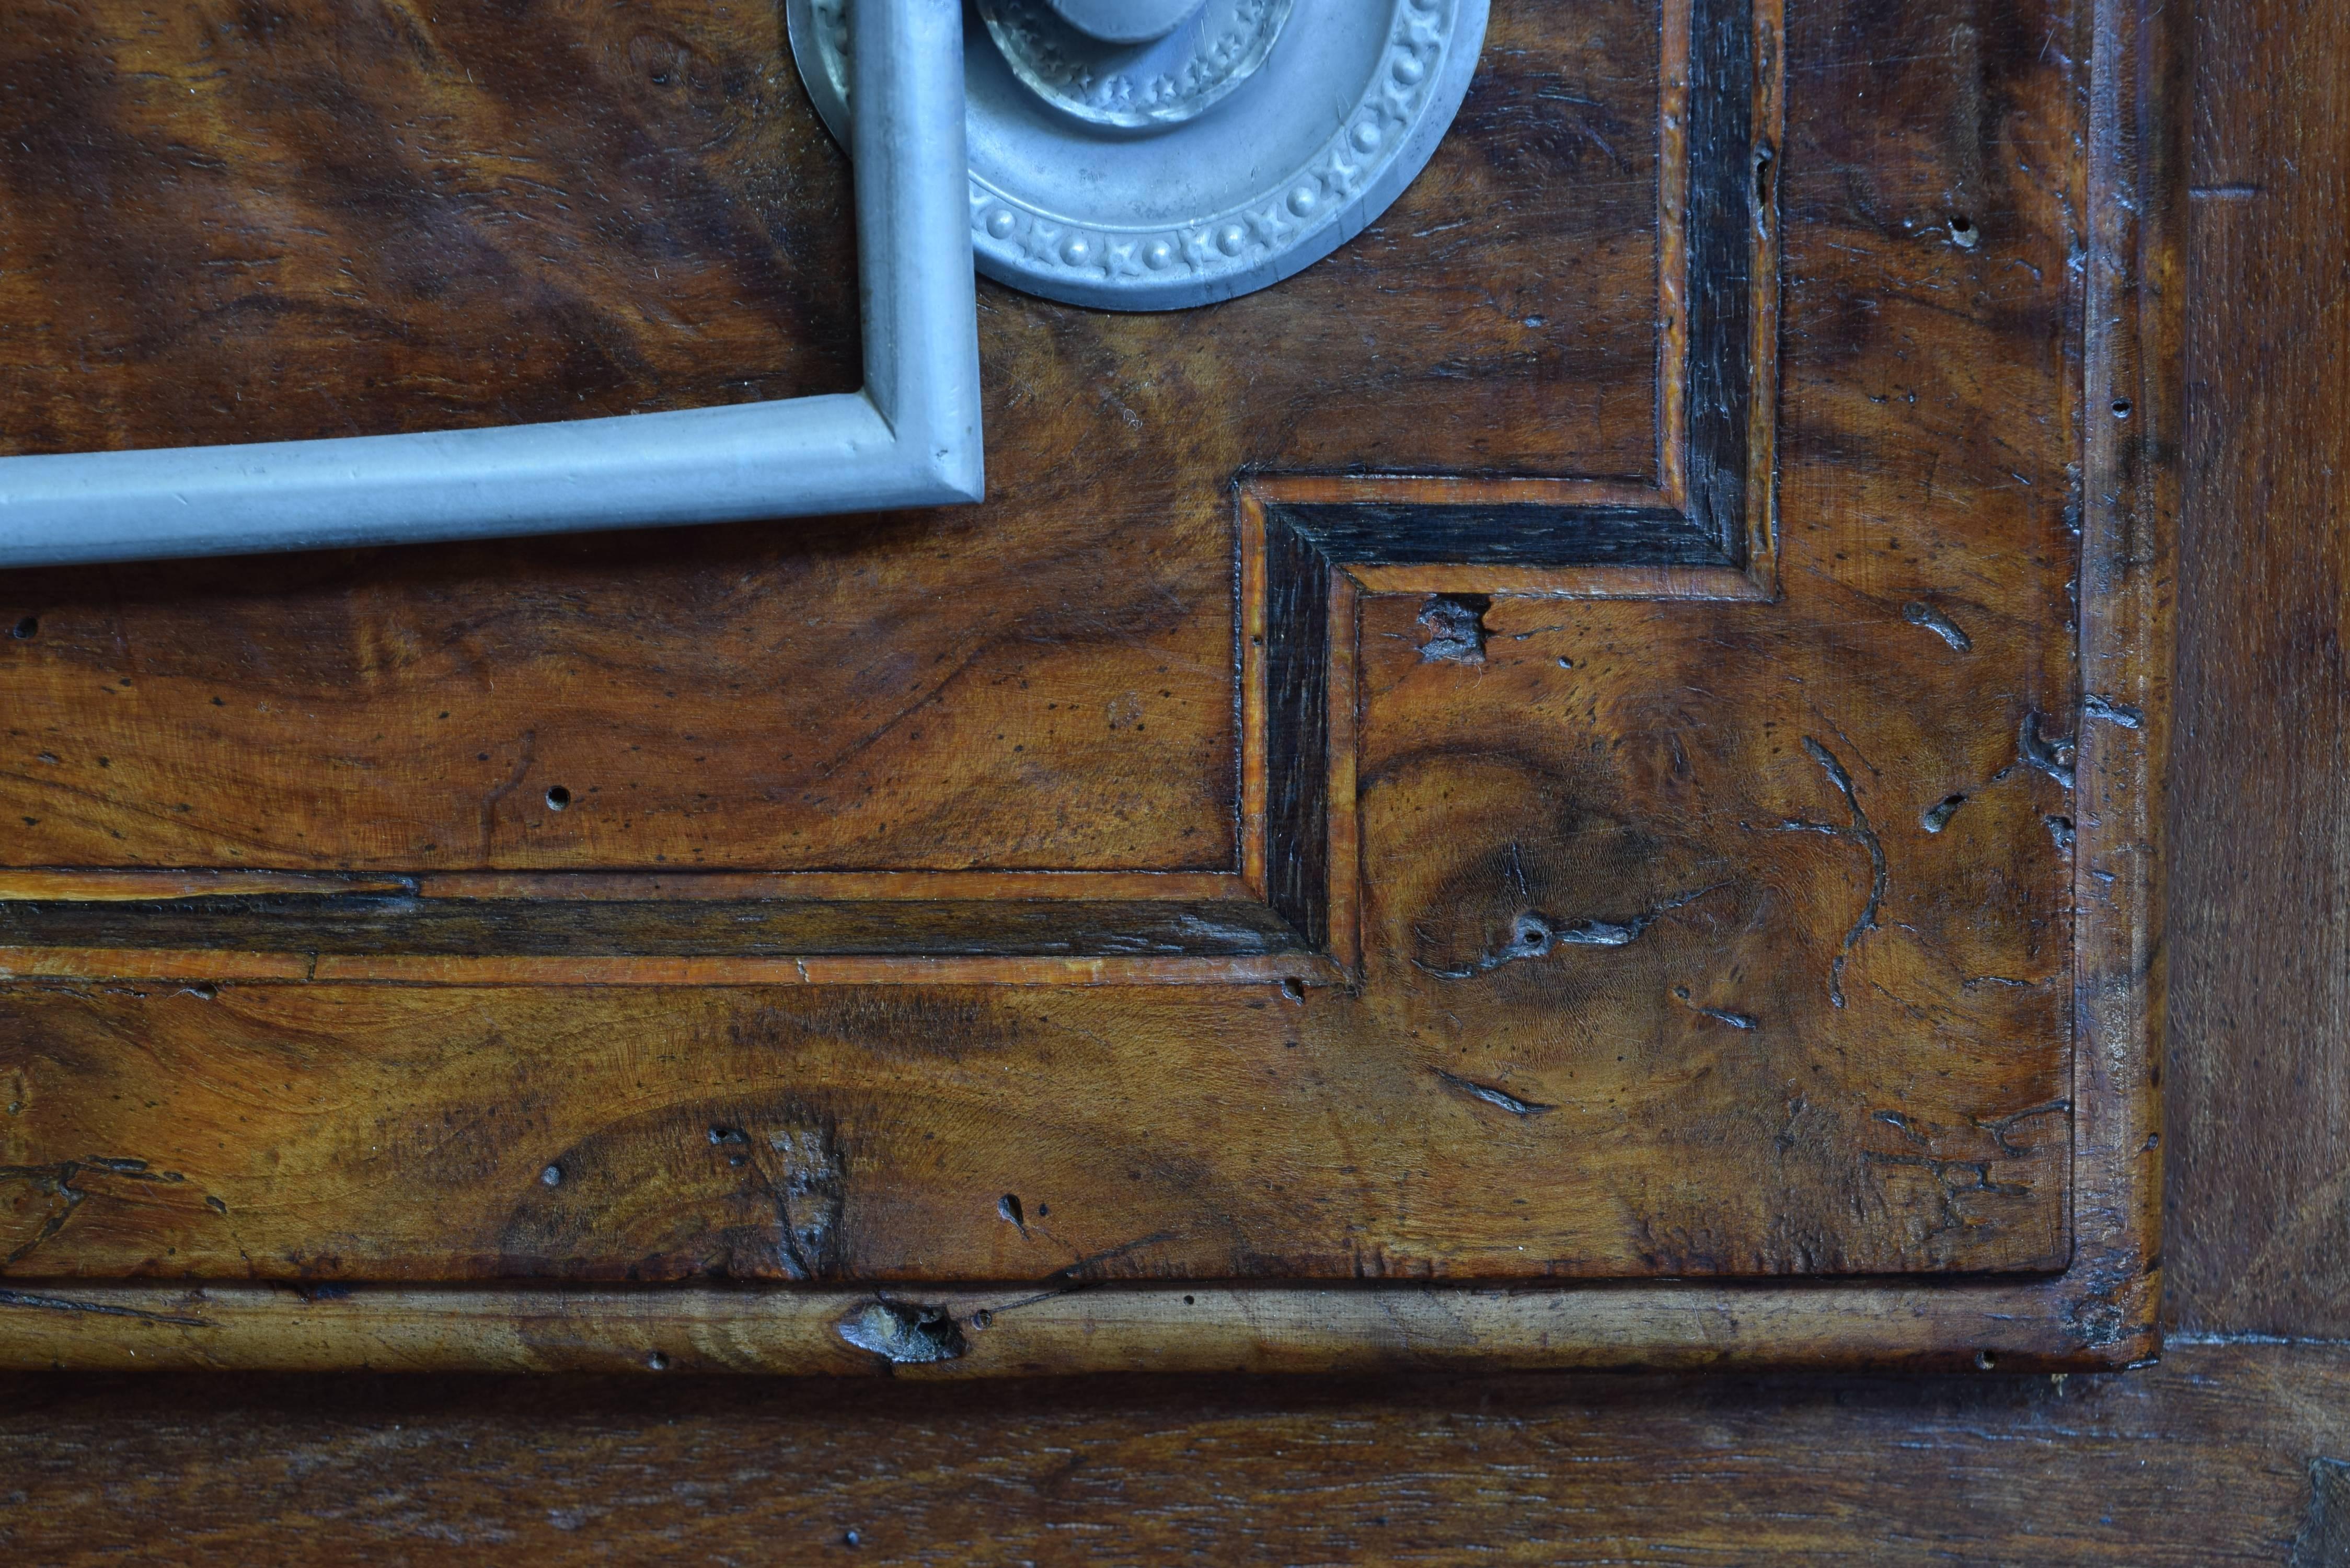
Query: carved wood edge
[2133, 423]
[1066, 1329]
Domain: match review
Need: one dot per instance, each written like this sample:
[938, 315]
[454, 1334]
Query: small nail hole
[1985, 1361]
[1294, 989]
[658, 1362]
[552, 1175]
[2122, 407]
[1009, 1207]
[1964, 232]
[27, 629]
[558, 799]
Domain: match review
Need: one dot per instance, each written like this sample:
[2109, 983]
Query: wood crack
[1862, 832]
[1535, 935]
[1492, 1096]
[56, 1181]
[32, 1303]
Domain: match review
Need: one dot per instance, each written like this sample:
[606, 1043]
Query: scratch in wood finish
[102, 1309]
[1070, 1278]
[2000, 1127]
[513, 782]
[1719, 1015]
[1534, 936]
[1952, 1177]
[56, 1181]
[1918, 613]
[1956, 1175]
[1860, 833]
[1086, 1264]
[1492, 1096]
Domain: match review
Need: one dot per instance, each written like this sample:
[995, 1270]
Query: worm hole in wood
[1455, 628]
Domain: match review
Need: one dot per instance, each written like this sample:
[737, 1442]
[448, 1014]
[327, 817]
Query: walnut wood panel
[236, 221]
[1045, 682]
[2225, 1455]
[1706, 909]
[834, 696]
[1817, 972]
[337, 1133]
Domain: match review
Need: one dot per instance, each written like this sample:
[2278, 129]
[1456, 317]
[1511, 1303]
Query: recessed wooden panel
[905, 695]
[938, 692]
[1599, 736]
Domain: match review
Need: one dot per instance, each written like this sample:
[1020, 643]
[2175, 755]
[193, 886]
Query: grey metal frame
[911, 438]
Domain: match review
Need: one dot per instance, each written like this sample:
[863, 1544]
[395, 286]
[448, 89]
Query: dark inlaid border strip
[1297, 731]
[775, 928]
[1729, 184]
[1308, 544]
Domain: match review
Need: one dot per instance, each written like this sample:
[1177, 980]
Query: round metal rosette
[1265, 134]
[1139, 85]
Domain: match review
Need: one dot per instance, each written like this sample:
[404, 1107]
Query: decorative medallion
[1163, 81]
[1243, 146]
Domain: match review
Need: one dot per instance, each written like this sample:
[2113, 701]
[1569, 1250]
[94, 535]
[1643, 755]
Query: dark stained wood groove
[1732, 204]
[1297, 656]
[374, 925]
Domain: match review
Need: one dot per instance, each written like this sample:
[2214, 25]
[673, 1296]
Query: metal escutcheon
[1158, 154]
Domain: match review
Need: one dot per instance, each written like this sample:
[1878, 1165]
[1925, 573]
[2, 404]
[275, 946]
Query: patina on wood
[1573, 869]
[2225, 1454]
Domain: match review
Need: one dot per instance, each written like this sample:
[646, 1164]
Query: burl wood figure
[1575, 784]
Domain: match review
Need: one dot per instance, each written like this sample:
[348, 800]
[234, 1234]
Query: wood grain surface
[1042, 683]
[251, 222]
[1696, 938]
[2226, 1455]
[328, 1132]
[2259, 1207]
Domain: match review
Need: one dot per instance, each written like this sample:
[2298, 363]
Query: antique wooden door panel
[1569, 784]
